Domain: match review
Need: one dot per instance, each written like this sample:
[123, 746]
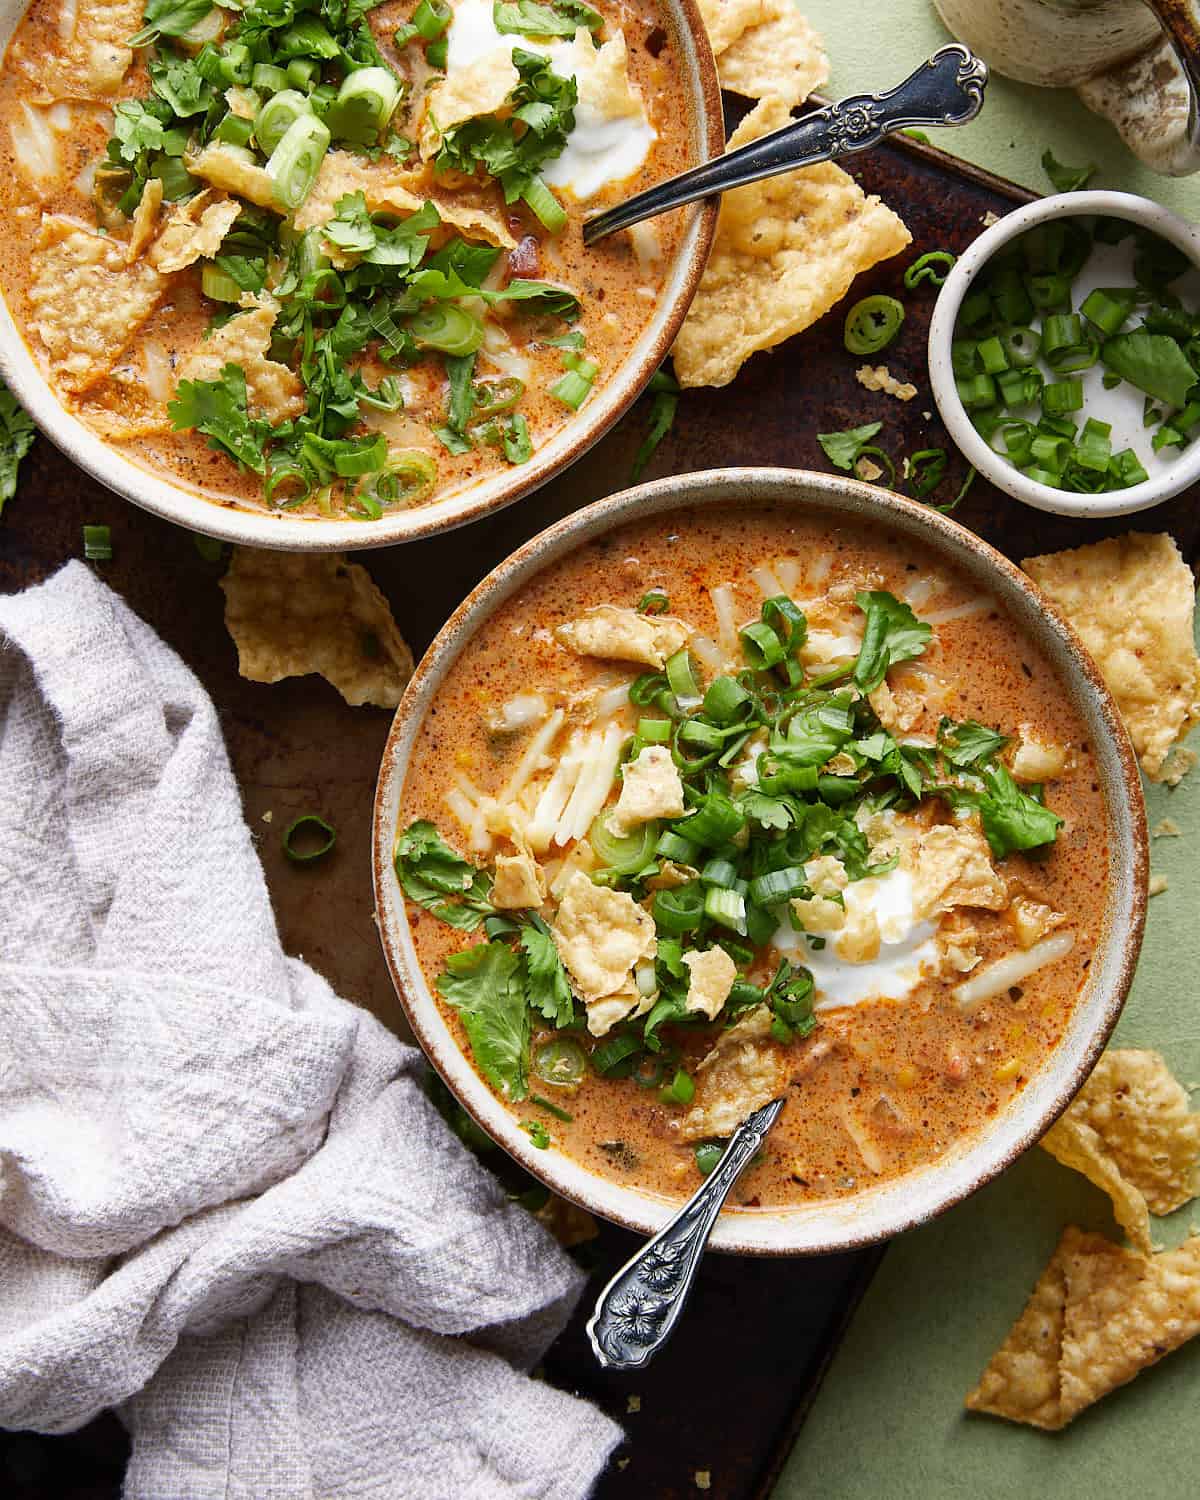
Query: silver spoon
[637, 1310]
[945, 90]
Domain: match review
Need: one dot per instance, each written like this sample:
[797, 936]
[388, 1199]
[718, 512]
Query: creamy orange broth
[943, 1072]
[618, 289]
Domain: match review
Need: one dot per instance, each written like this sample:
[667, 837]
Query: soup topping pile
[335, 245]
[689, 869]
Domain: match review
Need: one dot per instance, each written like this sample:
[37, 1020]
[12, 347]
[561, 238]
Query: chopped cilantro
[892, 634]
[484, 985]
[435, 877]
[1066, 179]
[17, 433]
[218, 409]
[843, 449]
[549, 992]
[537, 1133]
[1011, 818]
[530, 18]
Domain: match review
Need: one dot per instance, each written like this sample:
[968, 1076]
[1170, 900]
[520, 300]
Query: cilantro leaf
[893, 633]
[768, 812]
[843, 448]
[968, 743]
[1011, 818]
[1066, 179]
[1153, 362]
[179, 82]
[537, 1133]
[435, 877]
[484, 985]
[662, 418]
[217, 408]
[529, 18]
[17, 433]
[169, 18]
[548, 990]
[136, 128]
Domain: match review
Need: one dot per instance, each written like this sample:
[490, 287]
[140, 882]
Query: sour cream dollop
[612, 135]
[906, 947]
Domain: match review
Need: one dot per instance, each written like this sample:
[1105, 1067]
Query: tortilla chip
[120, 408]
[145, 219]
[385, 189]
[291, 614]
[567, 1222]
[744, 1070]
[780, 57]
[1132, 601]
[227, 171]
[274, 391]
[726, 20]
[473, 222]
[87, 304]
[94, 62]
[481, 88]
[1141, 1114]
[1073, 1142]
[1098, 1315]
[786, 250]
[193, 232]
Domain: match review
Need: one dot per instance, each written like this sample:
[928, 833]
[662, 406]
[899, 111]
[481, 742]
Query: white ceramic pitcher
[1135, 61]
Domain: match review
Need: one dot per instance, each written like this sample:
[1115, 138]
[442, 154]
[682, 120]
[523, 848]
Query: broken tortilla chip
[341, 173]
[224, 169]
[480, 88]
[294, 613]
[1098, 1316]
[1073, 1142]
[87, 304]
[193, 231]
[1132, 601]
[273, 391]
[786, 250]
[1140, 1114]
[726, 20]
[780, 56]
[145, 219]
[93, 62]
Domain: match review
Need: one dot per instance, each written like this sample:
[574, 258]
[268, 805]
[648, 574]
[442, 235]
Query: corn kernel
[463, 757]
[906, 1076]
[1007, 1070]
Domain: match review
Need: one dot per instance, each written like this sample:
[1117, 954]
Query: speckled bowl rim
[287, 532]
[881, 1211]
[1141, 211]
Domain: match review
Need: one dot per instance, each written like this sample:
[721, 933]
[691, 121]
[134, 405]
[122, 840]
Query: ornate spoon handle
[945, 90]
[639, 1307]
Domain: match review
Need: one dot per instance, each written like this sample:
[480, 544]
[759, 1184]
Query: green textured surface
[872, 46]
[889, 1419]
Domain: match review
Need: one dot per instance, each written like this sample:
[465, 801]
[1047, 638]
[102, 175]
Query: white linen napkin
[226, 1205]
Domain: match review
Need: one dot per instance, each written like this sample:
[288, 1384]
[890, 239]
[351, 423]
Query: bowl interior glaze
[875, 1212]
[280, 529]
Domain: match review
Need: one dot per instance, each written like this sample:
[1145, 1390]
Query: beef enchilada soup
[738, 804]
[327, 254]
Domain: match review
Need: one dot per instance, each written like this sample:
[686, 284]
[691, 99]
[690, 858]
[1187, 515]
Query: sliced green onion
[1020, 387]
[1108, 307]
[437, 54]
[216, 284]
[992, 356]
[1062, 396]
[872, 324]
[976, 308]
[778, 885]
[298, 837]
[761, 647]
[1046, 452]
[926, 469]
[708, 1155]
[654, 731]
[653, 603]
[554, 1109]
[235, 64]
[365, 103]
[448, 327]
[1021, 345]
[976, 391]
[725, 700]
[672, 846]
[234, 131]
[679, 911]
[1094, 449]
[623, 854]
[681, 1089]
[542, 203]
[405, 478]
[719, 872]
[726, 907]
[681, 678]
[273, 120]
[303, 72]
[1065, 348]
[963, 358]
[1043, 476]
[572, 389]
[431, 18]
[716, 822]
[561, 1062]
[296, 160]
[97, 543]
[1049, 290]
[934, 266]
[1126, 468]
[493, 397]
[267, 78]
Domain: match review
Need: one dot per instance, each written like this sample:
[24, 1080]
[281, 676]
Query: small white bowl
[1184, 471]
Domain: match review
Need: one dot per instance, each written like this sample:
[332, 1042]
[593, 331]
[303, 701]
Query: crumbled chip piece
[385, 189]
[867, 469]
[145, 219]
[726, 20]
[92, 64]
[1098, 1316]
[897, 710]
[780, 57]
[710, 978]
[1157, 885]
[481, 88]
[742, 1072]
[520, 882]
[633, 1404]
[990, 218]
[1034, 761]
[1132, 601]
[1167, 828]
[87, 304]
[193, 231]
[273, 390]
[651, 789]
[703, 1478]
[567, 1222]
[1178, 763]
[1072, 1141]
[242, 103]
[951, 866]
[224, 169]
[294, 613]
[600, 935]
[880, 378]
[1032, 920]
[624, 635]
[786, 250]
